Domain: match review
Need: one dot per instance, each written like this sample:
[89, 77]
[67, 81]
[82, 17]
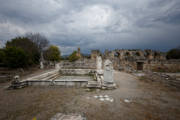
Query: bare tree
[40, 40]
[2, 43]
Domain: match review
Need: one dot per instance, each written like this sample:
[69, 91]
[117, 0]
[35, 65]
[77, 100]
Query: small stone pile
[15, 84]
[61, 116]
[104, 98]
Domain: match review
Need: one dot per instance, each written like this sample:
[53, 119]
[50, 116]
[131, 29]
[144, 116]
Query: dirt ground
[148, 101]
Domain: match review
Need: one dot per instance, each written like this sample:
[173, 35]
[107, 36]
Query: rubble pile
[163, 78]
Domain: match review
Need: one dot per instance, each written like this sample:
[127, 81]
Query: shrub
[28, 47]
[52, 53]
[73, 57]
[173, 54]
[15, 57]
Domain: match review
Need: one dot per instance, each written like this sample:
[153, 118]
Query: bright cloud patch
[91, 18]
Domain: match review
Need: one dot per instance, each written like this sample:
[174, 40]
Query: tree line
[173, 53]
[28, 50]
[25, 51]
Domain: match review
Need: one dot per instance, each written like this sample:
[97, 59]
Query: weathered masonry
[129, 60]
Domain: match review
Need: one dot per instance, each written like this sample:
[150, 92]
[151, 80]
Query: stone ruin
[62, 116]
[97, 71]
[94, 54]
[103, 77]
[135, 60]
[16, 83]
[74, 74]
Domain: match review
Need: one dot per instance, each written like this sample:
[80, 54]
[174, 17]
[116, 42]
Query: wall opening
[140, 65]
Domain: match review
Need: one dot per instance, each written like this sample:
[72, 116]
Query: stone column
[99, 63]
[41, 65]
[99, 71]
[41, 61]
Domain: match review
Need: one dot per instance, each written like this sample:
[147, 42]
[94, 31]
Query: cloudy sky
[94, 24]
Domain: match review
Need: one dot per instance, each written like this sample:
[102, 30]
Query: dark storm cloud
[94, 24]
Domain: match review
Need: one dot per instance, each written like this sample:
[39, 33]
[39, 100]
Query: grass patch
[169, 69]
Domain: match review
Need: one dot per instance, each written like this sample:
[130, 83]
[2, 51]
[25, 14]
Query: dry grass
[148, 102]
[30, 102]
[169, 69]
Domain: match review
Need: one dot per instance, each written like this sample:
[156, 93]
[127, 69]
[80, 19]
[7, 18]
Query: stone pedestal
[108, 81]
[103, 78]
[41, 65]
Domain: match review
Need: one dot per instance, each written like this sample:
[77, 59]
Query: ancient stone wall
[80, 64]
[131, 60]
[94, 54]
[157, 66]
[140, 54]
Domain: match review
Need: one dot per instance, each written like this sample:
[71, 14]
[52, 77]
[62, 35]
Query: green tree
[173, 54]
[73, 57]
[2, 55]
[52, 54]
[28, 47]
[15, 57]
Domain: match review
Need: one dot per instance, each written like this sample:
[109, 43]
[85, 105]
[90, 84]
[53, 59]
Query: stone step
[93, 84]
[18, 85]
[55, 77]
[50, 76]
[45, 76]
[108, 86]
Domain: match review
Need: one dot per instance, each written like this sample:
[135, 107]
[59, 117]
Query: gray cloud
[95, 24]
